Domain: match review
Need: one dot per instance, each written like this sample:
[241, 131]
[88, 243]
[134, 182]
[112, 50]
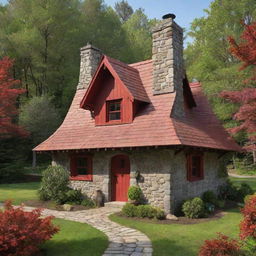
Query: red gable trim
[109, 63]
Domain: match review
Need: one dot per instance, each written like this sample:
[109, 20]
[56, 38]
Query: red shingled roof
[151, 127]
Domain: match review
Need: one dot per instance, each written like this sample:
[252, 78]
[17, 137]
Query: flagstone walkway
[123, 241]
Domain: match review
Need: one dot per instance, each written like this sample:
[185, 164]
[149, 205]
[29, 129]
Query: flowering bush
[221, 246]
[248, 224]
[21, 233]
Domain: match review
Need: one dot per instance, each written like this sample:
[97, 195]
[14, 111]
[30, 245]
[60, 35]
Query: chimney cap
[169, 15]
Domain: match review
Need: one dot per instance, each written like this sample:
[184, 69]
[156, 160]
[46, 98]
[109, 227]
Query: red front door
[120, 177]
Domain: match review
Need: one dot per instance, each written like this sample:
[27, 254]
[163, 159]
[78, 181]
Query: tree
[9, 91]
[40, 118]
[208, 58]
[123, 10]
[245, 51]
[138, 33]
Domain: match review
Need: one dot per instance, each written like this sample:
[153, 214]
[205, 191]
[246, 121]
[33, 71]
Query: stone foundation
[162, 175]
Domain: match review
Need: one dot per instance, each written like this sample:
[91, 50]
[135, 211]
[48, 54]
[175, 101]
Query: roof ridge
[120, 63]
[140, 63]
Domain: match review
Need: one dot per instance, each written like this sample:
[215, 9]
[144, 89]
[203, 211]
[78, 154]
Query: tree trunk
[254, 156]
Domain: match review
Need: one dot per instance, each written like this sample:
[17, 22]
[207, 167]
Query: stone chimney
[90, 59]
[167, 56]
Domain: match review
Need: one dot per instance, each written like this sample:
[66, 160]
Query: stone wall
[100, 173]
[154, 167]
[163, 175]
[167, 56]
[183, 189]
[89, 60]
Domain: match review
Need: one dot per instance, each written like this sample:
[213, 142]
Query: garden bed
[181, 220]
[52, 205]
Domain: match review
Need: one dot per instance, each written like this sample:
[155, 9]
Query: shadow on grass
[80, 247]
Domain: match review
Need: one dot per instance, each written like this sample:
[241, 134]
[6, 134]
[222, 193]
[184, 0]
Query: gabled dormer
[115, 93]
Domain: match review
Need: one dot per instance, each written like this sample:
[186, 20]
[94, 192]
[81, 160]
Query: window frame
[108, 102]
[190, 176]
[73, 168]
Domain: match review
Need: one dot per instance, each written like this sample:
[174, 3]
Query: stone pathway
[123, 241]
[241, 176]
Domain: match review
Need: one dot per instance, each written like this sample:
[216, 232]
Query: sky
[185, 10]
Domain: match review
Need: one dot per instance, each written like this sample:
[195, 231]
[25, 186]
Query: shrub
[222, 246]
[248, 224]
[129, 210]
[135, 193]
[88, 202]
[159, 214]
[209, 197]
[54, 182]
[193, 208]
[23, 232]
[244, 190]
[144, 211]
[228, 191]
[71, 196]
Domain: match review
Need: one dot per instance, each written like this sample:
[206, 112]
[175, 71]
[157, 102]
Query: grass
[19, 192]
[249, 181]
[73, 239]
[76, 239]
[180, 240]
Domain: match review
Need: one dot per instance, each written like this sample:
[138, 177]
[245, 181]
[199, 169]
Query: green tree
[40, 118]
[41, 36]
[138, 34]
[123, 10]
[208, 58]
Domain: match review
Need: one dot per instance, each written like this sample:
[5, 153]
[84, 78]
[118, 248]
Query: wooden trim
[73, 167]
[189, 166]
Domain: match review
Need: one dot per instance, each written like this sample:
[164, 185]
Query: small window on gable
[81, 167]
[113, 110]
[195, 169]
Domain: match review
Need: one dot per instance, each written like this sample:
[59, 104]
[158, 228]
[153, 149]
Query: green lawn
[73, 239]
[180, 240]
[250, 181]
[76, 239]
[19, 192]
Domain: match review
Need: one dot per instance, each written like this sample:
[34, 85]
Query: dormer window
[113, 110]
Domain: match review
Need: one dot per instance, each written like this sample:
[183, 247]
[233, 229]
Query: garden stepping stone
[123, 241]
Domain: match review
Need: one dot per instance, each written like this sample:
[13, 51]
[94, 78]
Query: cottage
[143, 124]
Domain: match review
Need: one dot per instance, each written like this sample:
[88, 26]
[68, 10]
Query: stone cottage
[141, 123]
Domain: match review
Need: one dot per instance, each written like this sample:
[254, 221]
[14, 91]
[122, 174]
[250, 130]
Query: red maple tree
[9, 91]
[246, 98]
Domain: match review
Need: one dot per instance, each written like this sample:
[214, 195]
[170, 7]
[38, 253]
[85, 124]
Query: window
[113, 110]
[195, 169]
[81, 167]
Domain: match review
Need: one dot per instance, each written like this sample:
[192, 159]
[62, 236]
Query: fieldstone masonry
[90, 59]
[167, 56]
[163, 175]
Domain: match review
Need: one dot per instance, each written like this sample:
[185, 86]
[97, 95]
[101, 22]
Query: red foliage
[246, 114]
[248, 224]
[246, 50]
[21, 233]
[9, 92]
[221, 246]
